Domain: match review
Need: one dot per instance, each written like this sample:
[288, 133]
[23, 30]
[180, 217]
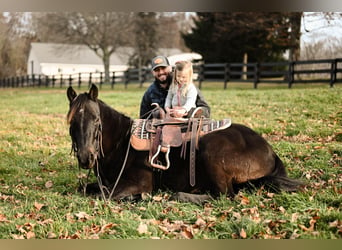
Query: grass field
[39, 176]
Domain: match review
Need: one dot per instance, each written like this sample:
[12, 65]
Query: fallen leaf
[186, 233]
[48, 184]
[142, 228]
[38, 206]
[107, 227]
[237, 215]
[157, 198]
[82, 215]
[45, 222]
[200, 222]
[294, 234]
[270, 195]
[18, 237]
[30, 235]
[51, 235]
[243, 234]
[333, 224]
[282, 209]
[244, 200]
[3, 218]
[294, 217]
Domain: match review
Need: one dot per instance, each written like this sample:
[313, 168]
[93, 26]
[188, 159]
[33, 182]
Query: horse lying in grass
[224, 159]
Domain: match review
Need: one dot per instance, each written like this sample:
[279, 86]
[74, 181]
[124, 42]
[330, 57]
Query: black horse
[225, 159]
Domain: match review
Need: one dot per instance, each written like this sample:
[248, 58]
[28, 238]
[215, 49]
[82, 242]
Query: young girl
[181, 97]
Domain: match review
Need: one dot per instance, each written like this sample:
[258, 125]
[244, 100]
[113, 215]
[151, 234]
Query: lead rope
[99, 180]
[81, 182]
[121, 171]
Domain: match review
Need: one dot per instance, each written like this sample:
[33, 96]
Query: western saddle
[158, 135]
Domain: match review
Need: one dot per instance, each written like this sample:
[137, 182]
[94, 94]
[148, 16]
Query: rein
[99, 149]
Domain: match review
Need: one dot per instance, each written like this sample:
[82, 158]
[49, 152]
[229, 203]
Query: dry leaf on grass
[48, 184]
[142, 228]
[243, 234]
[30, 235]
[38, 206]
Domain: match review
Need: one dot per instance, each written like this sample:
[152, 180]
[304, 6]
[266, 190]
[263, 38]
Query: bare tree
[14, 44]
[170, 27]
[145, 39]
[102, 32]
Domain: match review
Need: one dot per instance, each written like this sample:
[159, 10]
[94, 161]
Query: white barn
[57, 59]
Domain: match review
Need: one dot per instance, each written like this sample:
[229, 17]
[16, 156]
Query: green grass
[38, 175]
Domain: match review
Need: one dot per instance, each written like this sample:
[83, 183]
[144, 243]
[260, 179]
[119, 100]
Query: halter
[99, 153]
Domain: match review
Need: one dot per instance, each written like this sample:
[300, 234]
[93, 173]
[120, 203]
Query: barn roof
[81, 54]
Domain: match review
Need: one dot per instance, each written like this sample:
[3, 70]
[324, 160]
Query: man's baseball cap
[160, 61]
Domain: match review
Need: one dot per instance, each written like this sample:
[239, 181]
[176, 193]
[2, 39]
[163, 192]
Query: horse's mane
[79, 102]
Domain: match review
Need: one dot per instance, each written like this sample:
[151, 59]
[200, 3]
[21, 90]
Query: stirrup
[197, 113]
[156, 165]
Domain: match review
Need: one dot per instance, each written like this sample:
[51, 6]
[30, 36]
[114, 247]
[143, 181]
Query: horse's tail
[279, 179]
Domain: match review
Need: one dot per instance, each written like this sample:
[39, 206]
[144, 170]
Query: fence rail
[291, 72]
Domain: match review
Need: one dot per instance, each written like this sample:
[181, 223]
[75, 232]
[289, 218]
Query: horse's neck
[116, 129]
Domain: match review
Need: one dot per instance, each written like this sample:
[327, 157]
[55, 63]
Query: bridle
[98, 154]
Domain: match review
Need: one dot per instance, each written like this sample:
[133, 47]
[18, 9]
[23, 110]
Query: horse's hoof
[198, 199]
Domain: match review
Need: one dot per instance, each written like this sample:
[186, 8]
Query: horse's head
[85, 126]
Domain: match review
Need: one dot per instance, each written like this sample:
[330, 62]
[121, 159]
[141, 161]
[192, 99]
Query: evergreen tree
[227, 36]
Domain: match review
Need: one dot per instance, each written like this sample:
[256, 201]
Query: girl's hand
[178, 112]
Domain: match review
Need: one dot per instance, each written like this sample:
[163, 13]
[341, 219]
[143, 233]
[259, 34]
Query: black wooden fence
[311, 71]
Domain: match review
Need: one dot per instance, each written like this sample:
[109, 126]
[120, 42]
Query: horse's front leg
[132, 184]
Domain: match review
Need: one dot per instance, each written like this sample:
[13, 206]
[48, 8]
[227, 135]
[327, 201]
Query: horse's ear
[71, 94]
[93, 92]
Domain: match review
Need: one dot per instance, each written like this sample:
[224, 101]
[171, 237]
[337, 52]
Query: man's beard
[167, 79]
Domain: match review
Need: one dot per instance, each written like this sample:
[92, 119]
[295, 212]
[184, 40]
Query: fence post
[126, 75]
[200, 75]
[39, 80]
[79, 80]
[291, 73]
[333, 73]
[256, 75]
[101, 79]
[70, 80]
[113, 79]
[46, 81]
[53, 81]
[142, 77]
[90, 79]
[33, 79]
[226, 74]
[17, 81]
[22, 81]
[61, 81]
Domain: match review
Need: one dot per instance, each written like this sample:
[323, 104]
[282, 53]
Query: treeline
[218, 36]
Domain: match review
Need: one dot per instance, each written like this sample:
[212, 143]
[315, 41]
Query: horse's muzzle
[87, 160]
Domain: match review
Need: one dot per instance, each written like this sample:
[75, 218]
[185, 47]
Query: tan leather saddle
[158, 135]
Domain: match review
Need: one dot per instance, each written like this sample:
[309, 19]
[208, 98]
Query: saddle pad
[139, 128]
[143, 131]
[213, 125]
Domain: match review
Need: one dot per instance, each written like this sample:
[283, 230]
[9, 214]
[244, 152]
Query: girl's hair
[185, 66]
